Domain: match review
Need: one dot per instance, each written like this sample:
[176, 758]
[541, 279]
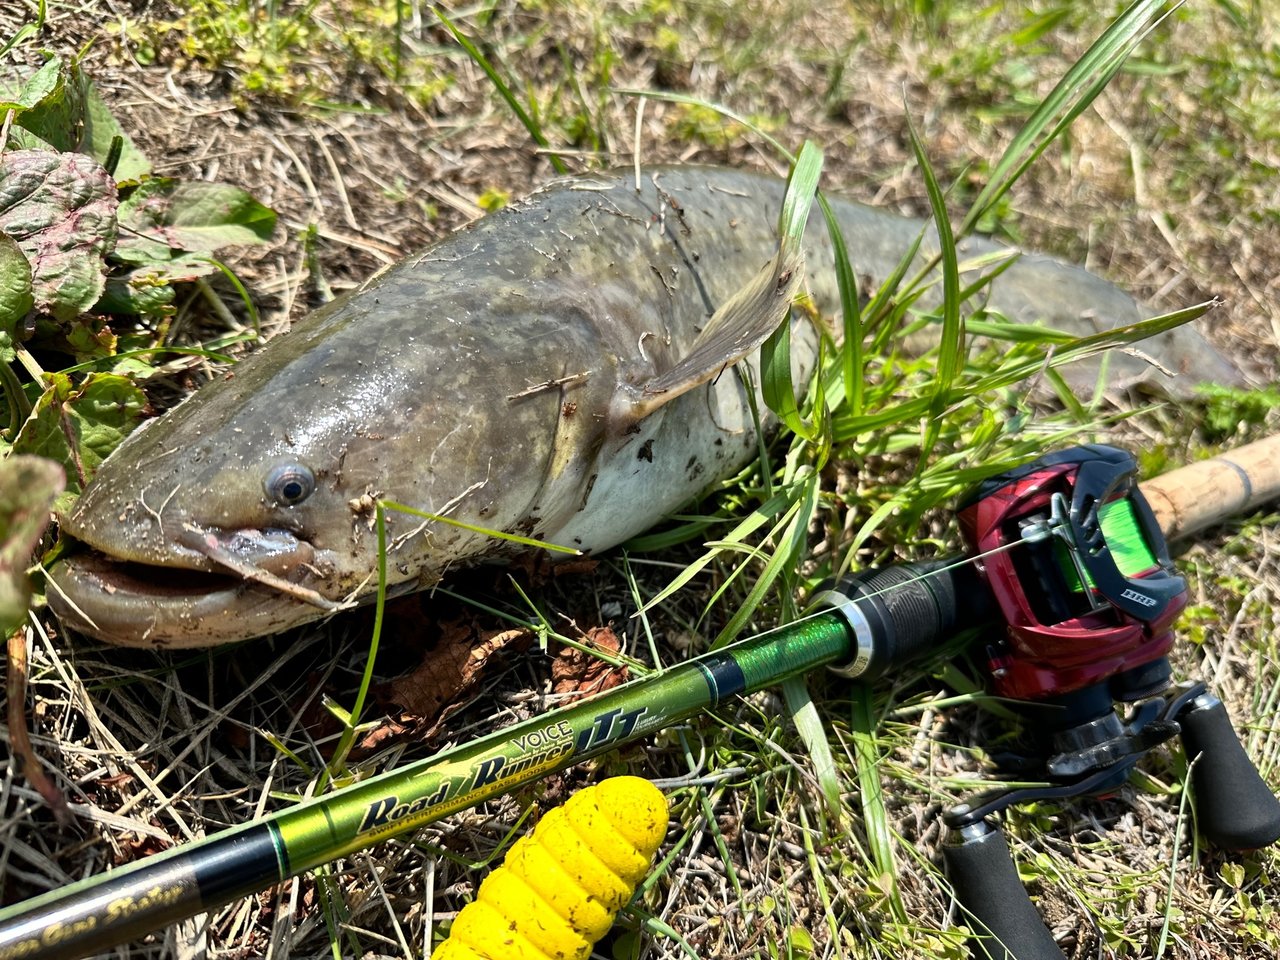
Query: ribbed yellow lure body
[559, 888]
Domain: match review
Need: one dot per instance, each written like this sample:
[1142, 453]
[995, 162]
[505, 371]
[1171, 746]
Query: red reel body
[1074, 618]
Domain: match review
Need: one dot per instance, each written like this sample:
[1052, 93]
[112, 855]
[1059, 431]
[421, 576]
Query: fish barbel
[551, 371]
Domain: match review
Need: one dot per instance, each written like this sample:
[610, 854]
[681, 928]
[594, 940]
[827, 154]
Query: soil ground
[1167, 187]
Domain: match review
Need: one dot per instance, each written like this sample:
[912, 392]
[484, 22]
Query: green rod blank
[100, 912]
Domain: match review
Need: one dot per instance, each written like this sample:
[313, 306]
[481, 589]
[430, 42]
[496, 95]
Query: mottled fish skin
[496, 378]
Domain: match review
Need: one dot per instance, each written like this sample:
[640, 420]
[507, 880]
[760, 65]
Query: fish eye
[289, 484]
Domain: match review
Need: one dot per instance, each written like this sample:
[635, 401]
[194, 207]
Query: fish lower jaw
[129, 603]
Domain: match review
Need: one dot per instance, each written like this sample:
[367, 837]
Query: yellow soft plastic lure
[559, 888]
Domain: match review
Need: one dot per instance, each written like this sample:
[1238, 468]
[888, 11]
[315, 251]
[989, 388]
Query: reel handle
[1006, 924]
[1237, 810]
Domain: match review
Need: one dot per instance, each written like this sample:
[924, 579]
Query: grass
[776, 852]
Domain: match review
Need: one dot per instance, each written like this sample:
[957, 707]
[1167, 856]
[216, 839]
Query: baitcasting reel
[1072, 576]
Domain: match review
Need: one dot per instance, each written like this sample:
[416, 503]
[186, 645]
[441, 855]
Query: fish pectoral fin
[741, 324]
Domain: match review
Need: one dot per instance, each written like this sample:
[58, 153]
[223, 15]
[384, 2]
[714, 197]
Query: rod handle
[1237, 810]
[1006, 924]
[1191, 498]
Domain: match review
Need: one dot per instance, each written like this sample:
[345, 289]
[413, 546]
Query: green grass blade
[775, 353]
[784, 559]
[27, 30]
[775, 505]
[802, 187]
[849, 428]
[816, 871]
[475, 528]
[255, 320]
[1040, 25]
[349, 729]
[1016, 332]
[1015, 370]
[852, 362]
[1082, 347]
[776, 384]
[887, 298]
[875, 817]
[816, 739]
[773, 567]
[951, 347]
[481, 61]
[690, 529]
[1072, 94]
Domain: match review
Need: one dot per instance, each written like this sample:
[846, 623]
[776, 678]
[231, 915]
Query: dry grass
[1168, 188]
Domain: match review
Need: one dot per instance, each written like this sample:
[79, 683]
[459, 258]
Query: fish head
[237, 514]
[218, 521]
[250, 508]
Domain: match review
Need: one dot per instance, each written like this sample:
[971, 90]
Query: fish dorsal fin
[742, 323]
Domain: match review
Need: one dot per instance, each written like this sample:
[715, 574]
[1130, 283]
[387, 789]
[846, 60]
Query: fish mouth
[220, 587]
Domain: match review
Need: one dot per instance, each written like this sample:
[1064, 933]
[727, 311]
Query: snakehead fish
[552, 370]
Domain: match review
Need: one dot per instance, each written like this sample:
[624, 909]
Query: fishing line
[803, 618]
[893, 587]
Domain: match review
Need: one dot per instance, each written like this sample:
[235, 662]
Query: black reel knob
[1005, 923]
[1236, 809]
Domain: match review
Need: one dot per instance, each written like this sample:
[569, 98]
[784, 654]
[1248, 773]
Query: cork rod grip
[1199, 495]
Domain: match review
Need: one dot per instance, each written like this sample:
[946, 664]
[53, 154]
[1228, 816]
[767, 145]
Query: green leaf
[20, 139]
[89, 337]
[79, 425]
[42, 84]
[15, 294]
[163, 215]
[799, 940]
[28, 487]
[100, 129]
[59, 108]
[61, 209]
[56, 116]
[147, 290]
[141, 292]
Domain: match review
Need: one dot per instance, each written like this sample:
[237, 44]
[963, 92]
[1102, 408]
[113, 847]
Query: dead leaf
[422, 698]
[538, 568]
[138, 846]
[575, 568]
[389, 731]
[28, 486]
[579, 672]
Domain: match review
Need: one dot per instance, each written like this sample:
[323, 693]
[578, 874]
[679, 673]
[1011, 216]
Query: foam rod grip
[1005, 922]
[1235, 807]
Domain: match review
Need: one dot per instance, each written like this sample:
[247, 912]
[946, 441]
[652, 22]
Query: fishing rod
[862, 626]
[99, 912]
